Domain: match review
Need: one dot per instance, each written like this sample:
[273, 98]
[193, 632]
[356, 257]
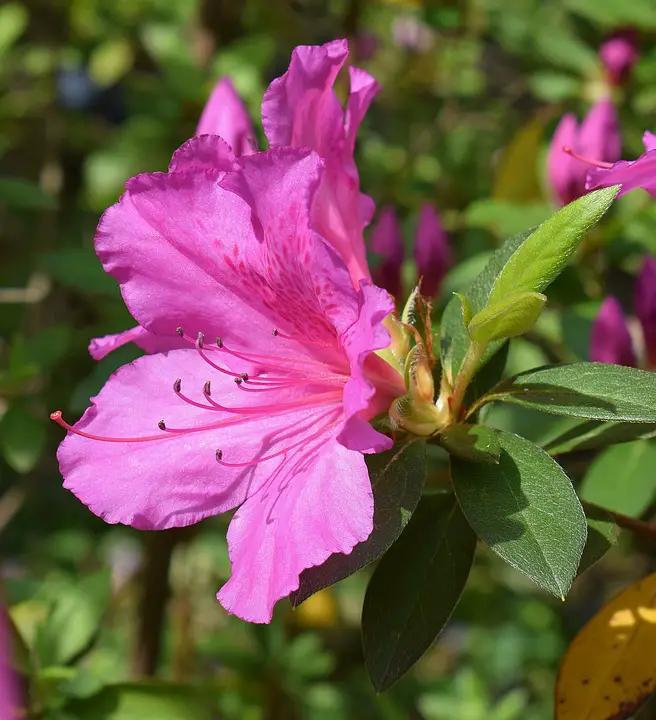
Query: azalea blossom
[612, 342]
[619, 54]
[573, 147]
[267, 406]
[432, 251]
[387, 244]
[300, 109]
[640, 173]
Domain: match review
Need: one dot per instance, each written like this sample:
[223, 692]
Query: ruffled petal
[225, 115]
[610, 341]
[101, 347]
[640, 173]
[318, 503]
[364, 399]
[175, 479]
[364, 89]
[207, 152]
[649, 140]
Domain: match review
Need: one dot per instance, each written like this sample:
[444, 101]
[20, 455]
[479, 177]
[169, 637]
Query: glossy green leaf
[477, 443]
[466, 308]
[597, 391]
[142, 701]
[22, 438]
[454, 335]
[603, 534]
[74, 619]
[591, 434]
[507, 318]
[543, 256]
[397, 479]
[524, 508]
[623, 478]
[415, 588]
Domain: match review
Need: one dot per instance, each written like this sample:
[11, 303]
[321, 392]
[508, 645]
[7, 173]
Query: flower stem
[465, 375]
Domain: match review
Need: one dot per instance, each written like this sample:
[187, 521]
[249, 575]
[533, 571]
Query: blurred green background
[95, 91]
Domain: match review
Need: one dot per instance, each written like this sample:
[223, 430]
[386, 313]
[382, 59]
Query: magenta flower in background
[387, 243]
[619, 54]
[300, 109]
[432, 250]
[225, 115]
[640, 173]
[596, 139]
[611, 340]
[267, 406]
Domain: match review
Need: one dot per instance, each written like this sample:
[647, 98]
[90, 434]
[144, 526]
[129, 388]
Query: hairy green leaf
[603, 534]
[507, 318]
[592, 434]
[526, 510]
[477, 443]
[415, 588]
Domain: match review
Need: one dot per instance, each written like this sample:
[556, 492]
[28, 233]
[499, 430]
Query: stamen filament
[587, 161]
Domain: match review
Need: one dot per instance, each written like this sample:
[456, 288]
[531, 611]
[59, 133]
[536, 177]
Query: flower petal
[319, 503]
[182, 235]
[225, 115]
[364, 89]
[640, 173]
[101, 347]
[207, 152]
[649, 140]
[175, 480]
[566, 180]
[610, 341]
[364, 399]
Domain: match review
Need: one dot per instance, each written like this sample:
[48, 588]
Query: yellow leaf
[516, 177]
[609, 670]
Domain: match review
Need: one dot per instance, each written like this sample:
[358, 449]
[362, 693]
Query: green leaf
[543, 256]
[602, 536]
[24, 195]
[526, 510]
[80, 269]
[477, 443]
[110, 61]
[622, 478]
[74, 619]
[142, 701]
[507, 318]
[13, 22]
[591, 434]
[22, 438]
[454, 335]
[415, 588]
[397, 479]
[466, 307]
[597, 391]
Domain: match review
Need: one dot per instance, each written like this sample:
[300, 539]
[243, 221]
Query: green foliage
[415, 588]
[522, 508]
[477, 443]
[512, 316]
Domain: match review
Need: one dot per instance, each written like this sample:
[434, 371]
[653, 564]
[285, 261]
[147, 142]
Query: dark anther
[207, 388]
[239, 381]
[177, 385]
[201, 339]
[219, 455]
[180, 331]
[161, 425]
[244, 377]
[219, 342]
[276, 333]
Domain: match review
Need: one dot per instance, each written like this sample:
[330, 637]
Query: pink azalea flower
[619, 54]
[272, 417]
[300, 109]
[572, 148]
[387, 243]
[432, 251]
[611, 341]
[640, 173]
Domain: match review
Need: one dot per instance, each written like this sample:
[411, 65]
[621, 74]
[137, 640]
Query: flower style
[640, 173]
[300, 109]
[619, 54]
[387, 243]
[573, 148]
[611, 340]
[432, 251]
[271, 415]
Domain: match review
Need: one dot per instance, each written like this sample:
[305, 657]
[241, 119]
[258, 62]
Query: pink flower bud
[432, 251]
[644, 304]
[619, 54]
[225, 115]
[387, 242]
[610, 341]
